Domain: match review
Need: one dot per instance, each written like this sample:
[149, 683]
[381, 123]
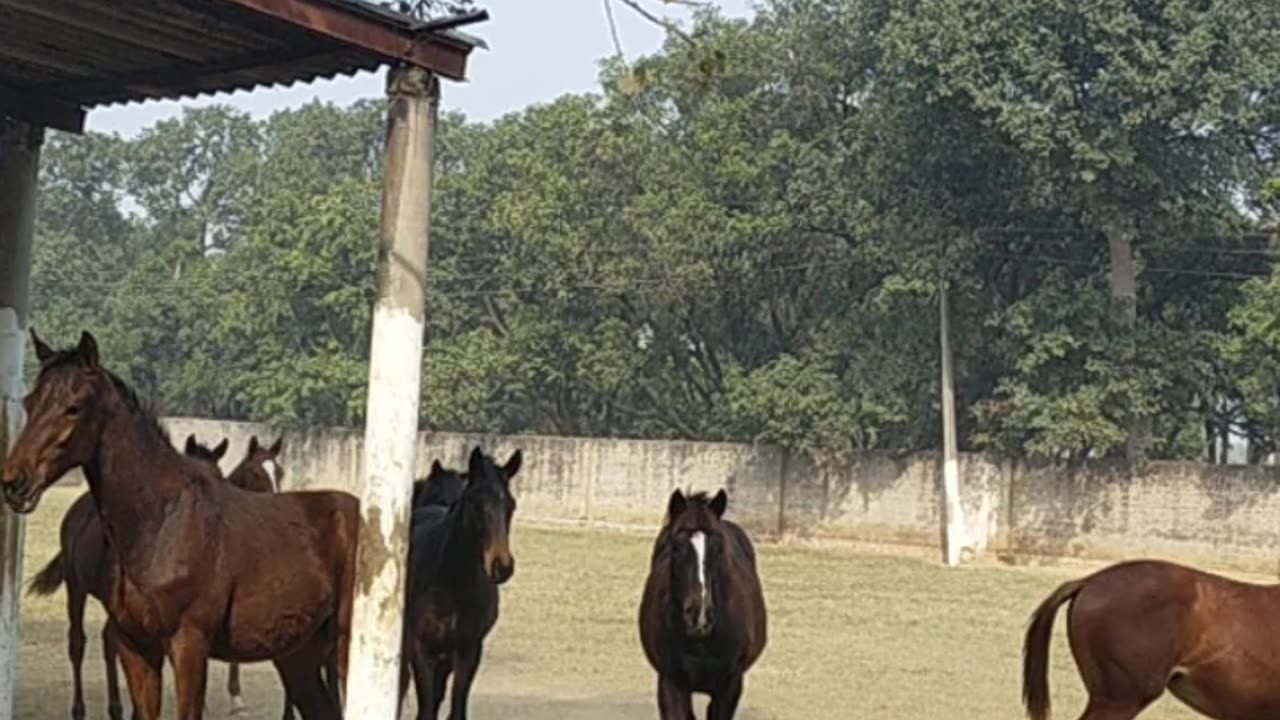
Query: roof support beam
[39, 110]
[425, 51]
[395, 377]
[19, 167]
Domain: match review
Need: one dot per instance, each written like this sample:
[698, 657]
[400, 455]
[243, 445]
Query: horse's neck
[134, 497]
[461, 555]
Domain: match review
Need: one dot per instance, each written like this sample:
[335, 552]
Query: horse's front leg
[142, 673]
[466, 660]
[189, 655]
[724, 702]
[674, 702]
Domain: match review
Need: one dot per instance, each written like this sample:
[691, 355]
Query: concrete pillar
[395, 369]
[952, 511]
[19, 164]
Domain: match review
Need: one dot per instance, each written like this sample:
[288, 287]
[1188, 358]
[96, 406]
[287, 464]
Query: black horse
[458, 556]
[442, 487]
[702, 618]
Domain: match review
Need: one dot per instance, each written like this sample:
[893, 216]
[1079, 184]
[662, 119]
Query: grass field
[852, 635]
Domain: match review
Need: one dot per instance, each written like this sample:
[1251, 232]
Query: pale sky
[536, 53]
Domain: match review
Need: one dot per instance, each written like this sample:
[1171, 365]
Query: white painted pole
[952, 512]
[391, 422]
[19, 165]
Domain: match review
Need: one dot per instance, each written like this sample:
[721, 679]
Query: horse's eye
[73, 410]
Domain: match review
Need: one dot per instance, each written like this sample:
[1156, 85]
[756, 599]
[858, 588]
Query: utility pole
[952, 512]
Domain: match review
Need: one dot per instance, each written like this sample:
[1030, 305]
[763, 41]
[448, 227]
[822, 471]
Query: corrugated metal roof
[60, 55]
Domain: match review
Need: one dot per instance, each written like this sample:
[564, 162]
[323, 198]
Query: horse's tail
[48, 580]
[1035, 650]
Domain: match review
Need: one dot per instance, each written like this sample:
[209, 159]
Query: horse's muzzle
[500, 572]
[20, 493]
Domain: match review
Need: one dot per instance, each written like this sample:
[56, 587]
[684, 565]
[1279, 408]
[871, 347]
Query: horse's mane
[146, 410]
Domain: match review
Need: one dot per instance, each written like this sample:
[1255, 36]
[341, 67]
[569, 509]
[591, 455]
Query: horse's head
[65, 418]
[694, 541]
[196, 450]
[442, 486]
[260, 470]
[486, 508]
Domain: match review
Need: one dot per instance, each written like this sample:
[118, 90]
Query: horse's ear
[221, 449]
[676, 504]
[719, 503]
[513, 464]
[277, 446]
[191, 444]
[436, 467]
[253, 444]
[44, 353]
[475, 464]
[88, 349]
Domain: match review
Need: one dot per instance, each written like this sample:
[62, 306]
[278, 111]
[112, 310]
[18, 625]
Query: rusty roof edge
[412, 24]
[465, 40]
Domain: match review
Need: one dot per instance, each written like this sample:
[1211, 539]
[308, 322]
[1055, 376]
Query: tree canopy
[749, 249]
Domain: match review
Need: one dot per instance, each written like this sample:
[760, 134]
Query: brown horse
[702, 617]
[1138, 628]
[194, 580]
[458, 556]
[259, 471]
[84, 562]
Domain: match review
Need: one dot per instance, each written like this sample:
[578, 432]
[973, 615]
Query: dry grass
[851, 635]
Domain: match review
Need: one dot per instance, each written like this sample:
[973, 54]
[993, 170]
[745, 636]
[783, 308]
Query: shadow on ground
[530, 708]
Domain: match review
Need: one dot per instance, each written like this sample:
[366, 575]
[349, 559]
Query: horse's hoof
[237, 705]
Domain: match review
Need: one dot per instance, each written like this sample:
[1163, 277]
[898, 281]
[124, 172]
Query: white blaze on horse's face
[273, 472]
[699, 542]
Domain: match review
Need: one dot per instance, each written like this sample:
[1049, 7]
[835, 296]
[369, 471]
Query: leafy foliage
[746, 251]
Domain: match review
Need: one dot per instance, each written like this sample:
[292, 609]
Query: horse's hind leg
[288, 698]
[75, 647]
[233, 688]
[305, 688]
[110, 649]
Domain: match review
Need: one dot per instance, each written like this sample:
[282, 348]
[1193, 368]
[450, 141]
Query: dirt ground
[852, 635]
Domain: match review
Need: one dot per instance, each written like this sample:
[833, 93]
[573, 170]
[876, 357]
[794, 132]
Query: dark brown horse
[702, 618]
[195, 582]
[458, 556]
[1139, 628]
[84, 562]
[441, 487]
